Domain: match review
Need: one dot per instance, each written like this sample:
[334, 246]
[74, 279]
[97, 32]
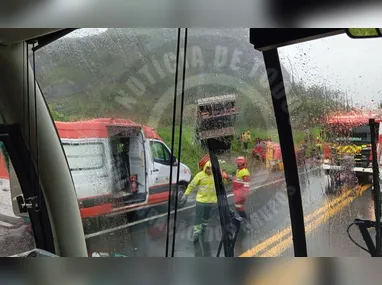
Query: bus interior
[44, 165]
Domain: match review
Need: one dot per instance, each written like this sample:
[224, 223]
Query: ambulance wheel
[181, 191]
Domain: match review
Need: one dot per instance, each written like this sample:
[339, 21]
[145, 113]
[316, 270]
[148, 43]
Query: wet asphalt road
[326, 219]
[269, 232]
[330, 238]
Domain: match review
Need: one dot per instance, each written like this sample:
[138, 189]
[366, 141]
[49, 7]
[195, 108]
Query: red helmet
[241, 160]
[203, 161]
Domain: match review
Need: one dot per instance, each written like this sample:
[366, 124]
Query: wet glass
[111, 93]
[334, 92]
[227, 91]
[92, 156]
[16, 231]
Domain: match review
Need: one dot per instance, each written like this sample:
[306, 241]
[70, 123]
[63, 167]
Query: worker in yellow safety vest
[240, 186]
[246, 139]
[206, 198]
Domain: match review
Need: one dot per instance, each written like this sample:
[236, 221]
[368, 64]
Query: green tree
[57, 116]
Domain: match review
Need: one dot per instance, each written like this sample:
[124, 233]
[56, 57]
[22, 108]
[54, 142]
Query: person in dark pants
[206, 198]
[246, 138]
[203, 214]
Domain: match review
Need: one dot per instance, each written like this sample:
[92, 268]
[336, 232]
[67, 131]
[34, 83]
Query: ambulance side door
[161, 158]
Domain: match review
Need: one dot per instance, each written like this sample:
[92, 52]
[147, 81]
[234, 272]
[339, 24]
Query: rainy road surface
[327, 217]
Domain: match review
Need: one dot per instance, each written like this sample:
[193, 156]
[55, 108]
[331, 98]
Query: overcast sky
[339, 62]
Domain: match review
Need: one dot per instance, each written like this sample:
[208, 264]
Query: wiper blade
[230, 223]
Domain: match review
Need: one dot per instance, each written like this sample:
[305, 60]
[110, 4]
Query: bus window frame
[19, 155]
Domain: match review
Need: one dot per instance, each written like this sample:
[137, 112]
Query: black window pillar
[280, 106]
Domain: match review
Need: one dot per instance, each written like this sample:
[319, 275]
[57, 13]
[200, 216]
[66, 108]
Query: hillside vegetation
[129, 73]
[106, 76]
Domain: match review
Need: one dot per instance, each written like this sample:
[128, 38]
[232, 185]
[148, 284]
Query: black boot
[246, 221]
[243, 214]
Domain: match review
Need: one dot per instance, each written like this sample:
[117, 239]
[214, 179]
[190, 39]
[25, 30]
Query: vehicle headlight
[326, 161]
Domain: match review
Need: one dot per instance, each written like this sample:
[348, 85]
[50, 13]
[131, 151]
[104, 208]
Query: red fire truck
[347, 142]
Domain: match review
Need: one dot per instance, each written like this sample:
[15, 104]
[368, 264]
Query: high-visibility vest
[205, 186]
[240, 183]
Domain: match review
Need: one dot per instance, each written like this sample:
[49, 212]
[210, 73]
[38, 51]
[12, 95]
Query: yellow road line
[282, 246]
[363, 189]
[279, 236]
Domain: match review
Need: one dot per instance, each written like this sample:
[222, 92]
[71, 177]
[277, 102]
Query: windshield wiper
[229, 220]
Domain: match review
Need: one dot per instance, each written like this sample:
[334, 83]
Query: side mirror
[175, 161]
